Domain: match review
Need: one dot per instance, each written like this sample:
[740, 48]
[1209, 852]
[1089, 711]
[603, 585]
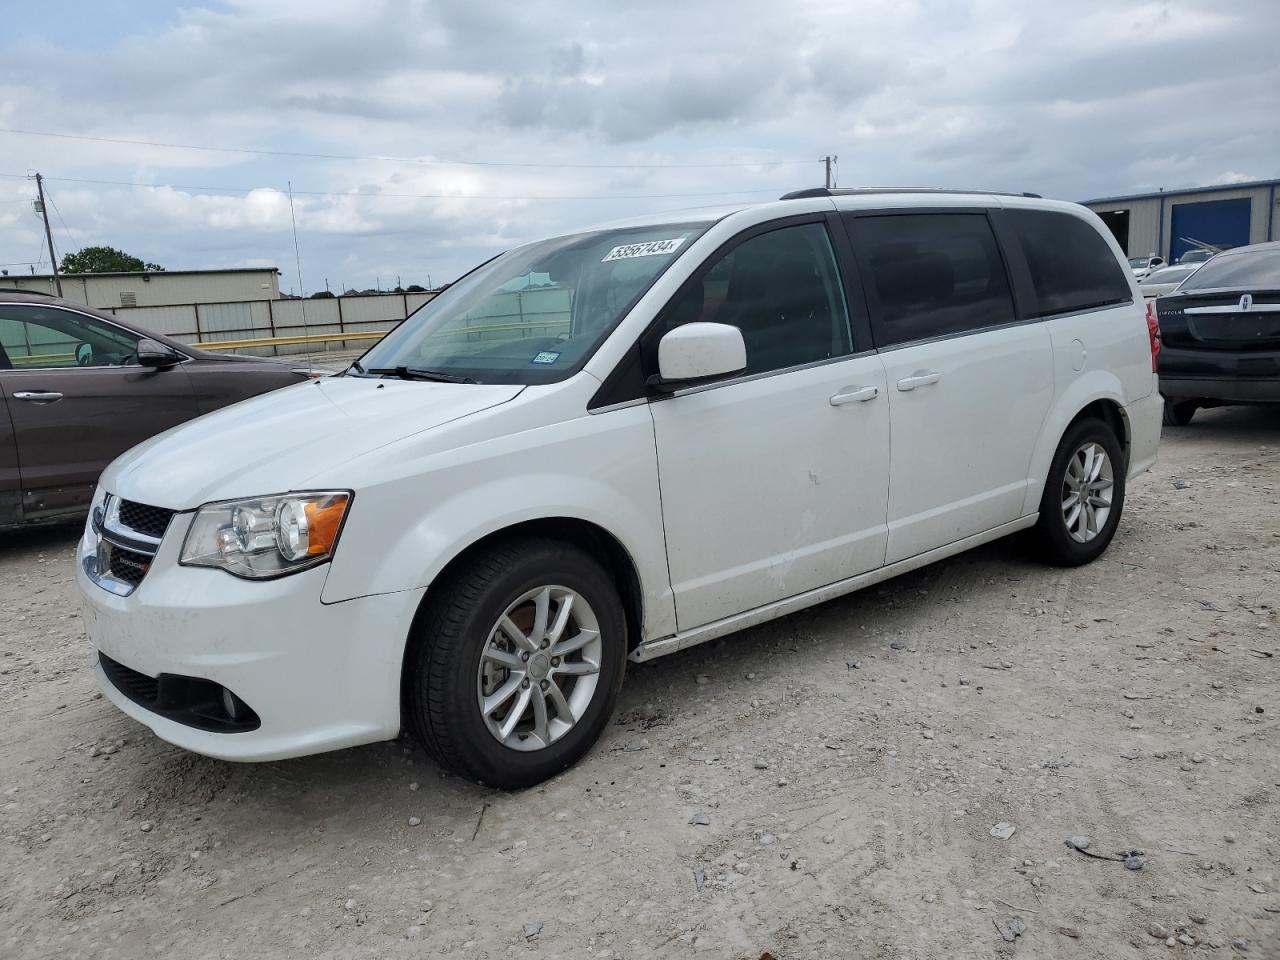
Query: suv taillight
[1153, 331]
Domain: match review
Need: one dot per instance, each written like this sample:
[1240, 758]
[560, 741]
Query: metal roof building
[161, 288]
[1169, 222]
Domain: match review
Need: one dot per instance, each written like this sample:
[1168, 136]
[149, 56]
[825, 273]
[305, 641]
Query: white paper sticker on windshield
[651, 248]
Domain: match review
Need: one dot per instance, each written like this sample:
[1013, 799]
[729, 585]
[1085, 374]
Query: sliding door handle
[856, 395]
[921, 378]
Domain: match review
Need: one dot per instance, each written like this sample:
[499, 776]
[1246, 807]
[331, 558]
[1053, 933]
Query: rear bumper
[1144, 418]
[1228, 390]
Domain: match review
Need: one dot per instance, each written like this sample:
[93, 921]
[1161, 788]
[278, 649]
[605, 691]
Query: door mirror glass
[700, 351]
[152, 353]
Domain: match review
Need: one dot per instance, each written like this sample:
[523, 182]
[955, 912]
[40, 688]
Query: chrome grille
[128, 538]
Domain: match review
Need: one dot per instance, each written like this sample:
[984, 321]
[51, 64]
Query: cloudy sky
[447, 131]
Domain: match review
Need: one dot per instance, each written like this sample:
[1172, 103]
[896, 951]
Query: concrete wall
[104, 290]
[1151, 217]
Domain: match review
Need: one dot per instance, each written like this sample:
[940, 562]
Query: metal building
[1169, 223]
[159, 289]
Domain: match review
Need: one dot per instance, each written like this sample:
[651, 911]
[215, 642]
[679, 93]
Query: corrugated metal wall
[157, 289]
[1151, 218]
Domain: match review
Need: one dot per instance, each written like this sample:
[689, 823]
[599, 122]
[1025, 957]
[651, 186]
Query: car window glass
[1072, 267]
[1252, 269]
[38, 337]
[933, 274]
[782, 290]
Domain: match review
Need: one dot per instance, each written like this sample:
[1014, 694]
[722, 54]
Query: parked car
[1164, 280]
[1198, 255]
[1141, 266]
[682, 428]
[81, 387]
[1221, 334]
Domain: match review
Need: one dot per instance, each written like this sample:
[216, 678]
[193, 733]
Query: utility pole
[48, 234]
[827, 161]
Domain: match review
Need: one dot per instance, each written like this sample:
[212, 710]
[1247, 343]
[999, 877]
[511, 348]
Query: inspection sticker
[651, 248]
[546, 356]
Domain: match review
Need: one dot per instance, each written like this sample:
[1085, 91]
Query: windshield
[1245, 270]
[1138, 262]
[535, 314]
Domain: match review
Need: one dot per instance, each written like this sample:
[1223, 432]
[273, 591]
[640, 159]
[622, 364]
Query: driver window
[41, 338]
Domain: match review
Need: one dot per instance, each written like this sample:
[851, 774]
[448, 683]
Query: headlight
[266, 536]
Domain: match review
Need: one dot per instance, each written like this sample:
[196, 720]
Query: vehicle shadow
[55, 535]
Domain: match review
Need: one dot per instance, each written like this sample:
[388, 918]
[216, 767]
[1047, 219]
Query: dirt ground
[849, 763]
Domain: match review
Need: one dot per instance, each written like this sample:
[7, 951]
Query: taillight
[1153, 331]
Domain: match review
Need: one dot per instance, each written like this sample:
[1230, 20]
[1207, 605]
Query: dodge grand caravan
[616, 444]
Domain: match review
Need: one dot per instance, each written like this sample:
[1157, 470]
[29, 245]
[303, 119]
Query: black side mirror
[152, 353]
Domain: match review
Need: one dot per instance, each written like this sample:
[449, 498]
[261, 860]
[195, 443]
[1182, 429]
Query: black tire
[450, 635]
[1178, 413]
[1050, 536]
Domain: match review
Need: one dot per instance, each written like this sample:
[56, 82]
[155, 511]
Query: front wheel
[1083, 496]
[1178, 413]
[515, 666]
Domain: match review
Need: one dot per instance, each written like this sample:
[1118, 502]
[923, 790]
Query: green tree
[106, 260]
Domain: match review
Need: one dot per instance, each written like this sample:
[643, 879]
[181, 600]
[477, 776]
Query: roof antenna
[302, 294]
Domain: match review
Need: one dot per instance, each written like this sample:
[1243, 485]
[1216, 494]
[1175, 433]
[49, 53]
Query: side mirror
[152, 353]
[695, 352]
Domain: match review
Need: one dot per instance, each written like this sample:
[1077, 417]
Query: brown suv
[78, 387]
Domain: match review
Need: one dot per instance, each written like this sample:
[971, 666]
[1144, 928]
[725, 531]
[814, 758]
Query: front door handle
[856, 395]
[38, 396]
[921, 378]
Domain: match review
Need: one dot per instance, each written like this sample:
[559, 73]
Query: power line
[65, 229]
[403, 196]
[414, 160]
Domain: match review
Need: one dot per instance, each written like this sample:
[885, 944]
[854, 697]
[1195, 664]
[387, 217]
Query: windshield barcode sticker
[652, 248]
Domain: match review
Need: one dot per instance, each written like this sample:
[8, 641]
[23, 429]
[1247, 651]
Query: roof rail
[856, 191]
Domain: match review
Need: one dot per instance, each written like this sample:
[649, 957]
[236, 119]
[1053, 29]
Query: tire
[450, 665]
[1179, 413]
[1054, 541]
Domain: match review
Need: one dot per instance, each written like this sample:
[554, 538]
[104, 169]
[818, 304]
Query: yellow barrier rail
[289, 341]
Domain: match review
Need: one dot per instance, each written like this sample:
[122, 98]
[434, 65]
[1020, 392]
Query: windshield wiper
[418, 373]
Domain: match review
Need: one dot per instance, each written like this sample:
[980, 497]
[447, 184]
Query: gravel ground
[828, 785]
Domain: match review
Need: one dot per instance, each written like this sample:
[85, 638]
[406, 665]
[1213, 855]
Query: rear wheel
[1178, 413]
[1083, 496]
[515, 667]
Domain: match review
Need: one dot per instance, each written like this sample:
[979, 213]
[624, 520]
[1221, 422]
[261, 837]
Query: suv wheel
[515, 667]
[1179, 413]
[1083, 496]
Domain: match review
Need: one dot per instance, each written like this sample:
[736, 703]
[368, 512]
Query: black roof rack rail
[34, 293]
[856, 191]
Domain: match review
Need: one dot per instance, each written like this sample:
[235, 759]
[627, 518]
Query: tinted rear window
[1072, 266]
[934, 274]
[1246, 270]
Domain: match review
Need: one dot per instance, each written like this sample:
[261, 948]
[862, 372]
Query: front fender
[602, 469]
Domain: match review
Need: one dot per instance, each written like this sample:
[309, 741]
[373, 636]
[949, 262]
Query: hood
[273, 443]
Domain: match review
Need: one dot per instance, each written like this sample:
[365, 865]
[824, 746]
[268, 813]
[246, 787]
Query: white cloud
[1070, 100]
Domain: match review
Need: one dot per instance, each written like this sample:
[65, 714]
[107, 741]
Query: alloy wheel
[539, 668]
[1087, 491]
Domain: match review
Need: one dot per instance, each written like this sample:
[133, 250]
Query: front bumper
[318, 676]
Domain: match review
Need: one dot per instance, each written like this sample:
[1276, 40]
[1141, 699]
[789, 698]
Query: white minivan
[616, 444]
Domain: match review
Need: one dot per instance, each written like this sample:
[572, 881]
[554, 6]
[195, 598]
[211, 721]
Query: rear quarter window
[1071, 265]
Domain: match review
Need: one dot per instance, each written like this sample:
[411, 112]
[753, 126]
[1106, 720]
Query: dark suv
[78, 387]
[1221, 334]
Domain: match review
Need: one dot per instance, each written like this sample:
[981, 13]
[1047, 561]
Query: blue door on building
[1224, 223]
